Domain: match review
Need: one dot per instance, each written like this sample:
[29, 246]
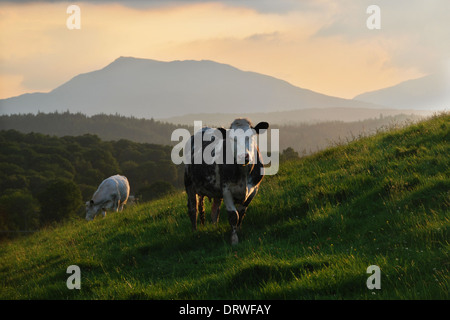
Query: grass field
[310, 233]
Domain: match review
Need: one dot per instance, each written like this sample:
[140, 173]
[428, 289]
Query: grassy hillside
[311, 233]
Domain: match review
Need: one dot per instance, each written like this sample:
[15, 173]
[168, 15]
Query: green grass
[310, 233]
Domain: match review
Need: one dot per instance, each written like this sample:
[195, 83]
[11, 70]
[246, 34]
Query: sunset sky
[322, 45]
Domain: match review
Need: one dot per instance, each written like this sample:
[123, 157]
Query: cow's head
[91, 210]
[242, 139]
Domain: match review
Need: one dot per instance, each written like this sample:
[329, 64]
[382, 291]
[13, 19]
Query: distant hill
[303, 137]
[310, 233]
[107, 127]
[427, 93]
[148, 88]
[296, 117]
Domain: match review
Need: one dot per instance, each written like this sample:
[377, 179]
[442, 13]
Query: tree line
[44, 179]
[304, 138]
[107, 127]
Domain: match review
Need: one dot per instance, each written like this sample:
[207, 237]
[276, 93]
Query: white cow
[112, 194]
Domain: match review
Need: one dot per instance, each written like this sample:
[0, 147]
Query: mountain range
[155, 89]
[148, 88]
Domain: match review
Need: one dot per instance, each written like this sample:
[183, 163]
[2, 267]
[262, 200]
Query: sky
[321, 45]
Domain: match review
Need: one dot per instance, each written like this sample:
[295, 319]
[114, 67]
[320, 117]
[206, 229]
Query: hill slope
[310, 233]
[148, 88]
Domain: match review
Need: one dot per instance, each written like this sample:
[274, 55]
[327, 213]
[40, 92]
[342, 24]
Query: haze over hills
[148, 88]
[428, 92]
[296, 117]
[303, 138]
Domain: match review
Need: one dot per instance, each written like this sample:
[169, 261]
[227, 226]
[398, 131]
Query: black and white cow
[236, 181]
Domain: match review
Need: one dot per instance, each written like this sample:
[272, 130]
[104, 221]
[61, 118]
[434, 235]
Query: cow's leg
[233, 215]
[215, 210]
[241, 210]
[114, 203]
[192, 197]
[201, 209]
[192, 207]
[103, 212]
[121, 204]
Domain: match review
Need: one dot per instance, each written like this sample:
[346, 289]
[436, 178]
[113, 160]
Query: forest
[46, 179]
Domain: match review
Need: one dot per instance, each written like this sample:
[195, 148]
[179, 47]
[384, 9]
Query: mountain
[148, 88]
[428, 92]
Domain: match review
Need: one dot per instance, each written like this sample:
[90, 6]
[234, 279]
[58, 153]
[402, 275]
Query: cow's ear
[261, 126]
[223, 131]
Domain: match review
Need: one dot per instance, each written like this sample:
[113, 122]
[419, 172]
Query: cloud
[262, 6]
[413, 32]
[272, 36]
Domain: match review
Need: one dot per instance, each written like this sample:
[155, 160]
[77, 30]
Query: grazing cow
[235, 183]
[112, 194]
